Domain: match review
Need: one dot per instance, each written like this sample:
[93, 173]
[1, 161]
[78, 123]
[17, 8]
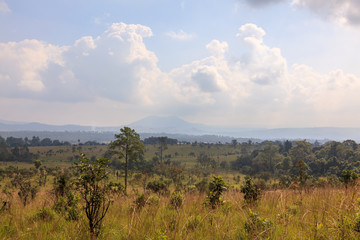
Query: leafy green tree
[204, 160]
[303, 176]
[127, 145]
[93, 188]
[301, 151]
[268, 157]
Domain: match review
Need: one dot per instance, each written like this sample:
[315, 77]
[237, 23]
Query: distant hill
[174, 126]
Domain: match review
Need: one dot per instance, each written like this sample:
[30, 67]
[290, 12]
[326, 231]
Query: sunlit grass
[322, 213]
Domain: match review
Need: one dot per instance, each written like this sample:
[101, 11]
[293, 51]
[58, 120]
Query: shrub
[202, 186]
[62, 184]
[216, 189]
[356, 224]
[251, 192]
[44, 214]
[348, 177]
[193, 222]
[27, 191]
[256, 226]
[116, 188]
[176, 200]
[69, 206]
[140, 201]
[157, 186]
[91, 183]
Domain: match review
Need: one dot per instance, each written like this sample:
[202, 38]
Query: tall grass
[320, 213]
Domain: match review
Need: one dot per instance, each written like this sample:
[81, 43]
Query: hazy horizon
[237, 63]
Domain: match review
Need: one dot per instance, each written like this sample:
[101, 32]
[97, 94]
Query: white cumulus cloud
[116, 68]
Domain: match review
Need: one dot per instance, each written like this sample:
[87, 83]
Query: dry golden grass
[321, 213]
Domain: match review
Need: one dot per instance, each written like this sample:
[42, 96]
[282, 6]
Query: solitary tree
[127, 145]
[162, 147]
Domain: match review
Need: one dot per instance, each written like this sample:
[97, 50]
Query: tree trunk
[126, 167]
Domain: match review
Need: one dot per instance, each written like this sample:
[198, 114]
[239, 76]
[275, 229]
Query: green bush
[216, 189]
[69, 206]
[256, 226]
[157, 186]
[140, 201]
[251, 192]
[176, 200]
[202, 186]
[44, 214]
[356, 225]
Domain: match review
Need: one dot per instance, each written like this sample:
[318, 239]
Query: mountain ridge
[176, 125]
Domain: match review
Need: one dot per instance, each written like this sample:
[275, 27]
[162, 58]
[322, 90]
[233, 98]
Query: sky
[245, 63]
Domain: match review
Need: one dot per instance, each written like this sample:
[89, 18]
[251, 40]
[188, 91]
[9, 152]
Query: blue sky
[249, 63]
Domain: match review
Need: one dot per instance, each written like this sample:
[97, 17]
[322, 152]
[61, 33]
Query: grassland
[310, 213]
[323, 213]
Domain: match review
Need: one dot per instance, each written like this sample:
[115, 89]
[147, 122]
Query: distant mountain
[171, 126]
[154, 124]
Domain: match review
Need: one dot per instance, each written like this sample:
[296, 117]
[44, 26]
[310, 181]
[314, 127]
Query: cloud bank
[115, 74]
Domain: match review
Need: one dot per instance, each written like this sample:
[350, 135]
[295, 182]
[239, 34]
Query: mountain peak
[169, 124]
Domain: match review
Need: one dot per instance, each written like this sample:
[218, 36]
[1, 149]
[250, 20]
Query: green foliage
[202, 186]
[27, 191]
[257, 227]
[127, 146]
[251, 192]
[176, 200]
[216, 189]
[69, 206]
[37, 164]
[349, 177]
[206, 161]
[193, 222]
[140, 201]
[116, 188]
[159, 235]
[158, 186]
[62, 184]
[91, 183]
[303, 176]
[44, 214]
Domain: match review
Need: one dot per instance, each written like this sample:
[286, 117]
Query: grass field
[310, 213]
[185, 154]
[323, 213]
